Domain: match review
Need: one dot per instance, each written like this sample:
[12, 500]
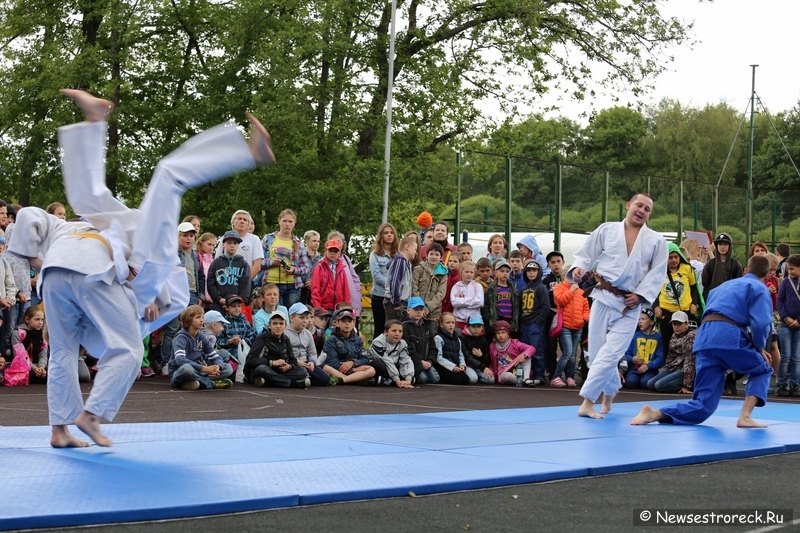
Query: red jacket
[453, 277]
[327, 291]
[574, 304]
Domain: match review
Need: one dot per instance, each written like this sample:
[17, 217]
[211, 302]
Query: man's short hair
[516, 254]
[758, 265]
[408, 239]
[640, 194]
[784, 250]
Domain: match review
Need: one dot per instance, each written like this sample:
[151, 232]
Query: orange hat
[334, 244]
[425, 220]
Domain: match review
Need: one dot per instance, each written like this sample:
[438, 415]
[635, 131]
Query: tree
[614, 141]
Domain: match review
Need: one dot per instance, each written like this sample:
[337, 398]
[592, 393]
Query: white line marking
[794, 522]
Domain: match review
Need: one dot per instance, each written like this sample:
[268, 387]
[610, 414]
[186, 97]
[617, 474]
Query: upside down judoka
[630, 262]
[109, 281]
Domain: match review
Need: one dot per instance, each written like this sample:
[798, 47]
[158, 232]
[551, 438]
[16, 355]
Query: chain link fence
[502, 194]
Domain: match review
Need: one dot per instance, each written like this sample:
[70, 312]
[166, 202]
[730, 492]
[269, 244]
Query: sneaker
[223, 384]
[386, 381]
[571, 383]
[369, 382]
[334, 380]
[147, 372]
[165, 370]
[259, 382]
[783, 390]
[529, 383]
[558, 382]
[794, 391]
[537, 382]
[190, 385]
[302, 383]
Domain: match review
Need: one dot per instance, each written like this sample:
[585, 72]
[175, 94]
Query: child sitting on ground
[645, 355]
[271, 361]
[344, 351]
[302, 342]
[238, 329]
[450, 363]
[194, 363]
[420, 342]
[507, 354]
[213, 327]
[476, 348]
[28, 339]
[389, 356]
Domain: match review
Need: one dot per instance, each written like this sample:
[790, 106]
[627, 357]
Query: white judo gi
[85, 265]
[611, 328]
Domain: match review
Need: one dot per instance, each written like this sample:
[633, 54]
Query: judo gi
[612, 324]
[721, 345]
[85, 265]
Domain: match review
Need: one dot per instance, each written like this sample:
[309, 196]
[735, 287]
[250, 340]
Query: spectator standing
[285, 262]
[249, 245]
[383, 250]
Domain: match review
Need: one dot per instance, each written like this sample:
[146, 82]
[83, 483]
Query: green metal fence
[504, 194]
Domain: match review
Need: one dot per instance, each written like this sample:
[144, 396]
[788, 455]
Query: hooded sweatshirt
[720, 269]
[534, 300]
[529, 241]
[395, 356]
[430, 284]
[679, 290]
[227, 276]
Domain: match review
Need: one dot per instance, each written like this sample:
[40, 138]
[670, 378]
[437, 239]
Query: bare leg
[744, 416]
[260, 142]
[90, 424]
[607, 400]
[360, 375]
[95, 109]
[647, 415]
[587, 410]
[62, 438]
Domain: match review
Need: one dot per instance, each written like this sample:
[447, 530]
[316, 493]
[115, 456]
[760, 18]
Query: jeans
[272, 378]
[667, 381]
[790, 356]
[289, 294]
[170, 330]
[570, 339]
[429, 376]
[11, 319]
[187, 372]
[635, 380]
[532, 335]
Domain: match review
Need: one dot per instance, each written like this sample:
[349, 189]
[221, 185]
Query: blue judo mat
[204, 468]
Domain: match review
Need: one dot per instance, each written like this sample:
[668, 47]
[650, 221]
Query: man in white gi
[111, 280]
[629, 262]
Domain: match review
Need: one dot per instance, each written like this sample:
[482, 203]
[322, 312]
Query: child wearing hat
[507, 354]
[678, 373]
[501, 300]
[476, 348]
[213, 326]
[345, 358]
[303, 347]
[229, 273]
[534, 308]
[271, 361]
[420, 342]
[722, 267]
[330, 283]
[645, 356]
[238, 329]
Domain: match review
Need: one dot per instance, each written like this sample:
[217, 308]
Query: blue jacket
[529, 241]
[649, 347]
[339, 350]
[747, 302]
[196, 351]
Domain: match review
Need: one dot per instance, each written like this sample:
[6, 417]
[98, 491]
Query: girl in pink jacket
[507, 354]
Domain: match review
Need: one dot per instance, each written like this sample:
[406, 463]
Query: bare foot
[607, 400]
[90, 424]
[62, 438]
[260, 142]
[586, 410]
[747, 422]
[645, 416]
[95, 109]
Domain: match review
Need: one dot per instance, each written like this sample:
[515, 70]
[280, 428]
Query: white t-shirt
[250, 249]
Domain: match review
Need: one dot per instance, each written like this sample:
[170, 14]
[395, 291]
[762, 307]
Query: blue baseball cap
[475, 318]
[298, 309]
[231, 236]
[214, 316]
[415, 302]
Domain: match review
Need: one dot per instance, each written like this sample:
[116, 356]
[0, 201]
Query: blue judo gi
[721, 345]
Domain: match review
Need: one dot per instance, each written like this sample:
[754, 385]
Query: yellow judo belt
[96, 237]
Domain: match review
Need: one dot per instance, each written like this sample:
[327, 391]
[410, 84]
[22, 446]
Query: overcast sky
[731, 35]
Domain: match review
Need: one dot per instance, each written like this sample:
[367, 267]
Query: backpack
[19, 371]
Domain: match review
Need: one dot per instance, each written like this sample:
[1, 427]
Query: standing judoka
[724, 342]
[629, 261]
[109, 281]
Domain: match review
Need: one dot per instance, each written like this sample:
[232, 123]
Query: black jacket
[268, 348]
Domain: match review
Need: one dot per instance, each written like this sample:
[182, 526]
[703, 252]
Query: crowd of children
[440, 315]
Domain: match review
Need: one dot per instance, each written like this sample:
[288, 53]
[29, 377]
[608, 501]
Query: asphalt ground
[600, 504]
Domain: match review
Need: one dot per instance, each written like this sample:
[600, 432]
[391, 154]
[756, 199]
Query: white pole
[387, 153]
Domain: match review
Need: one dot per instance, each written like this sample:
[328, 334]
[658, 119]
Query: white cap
[679, 316]
[186, 227]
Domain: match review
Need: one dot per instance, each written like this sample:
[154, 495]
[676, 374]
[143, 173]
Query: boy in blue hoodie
[194, 363]
[530, 250]
[229, 273]
[645, 354]
[534, 307]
